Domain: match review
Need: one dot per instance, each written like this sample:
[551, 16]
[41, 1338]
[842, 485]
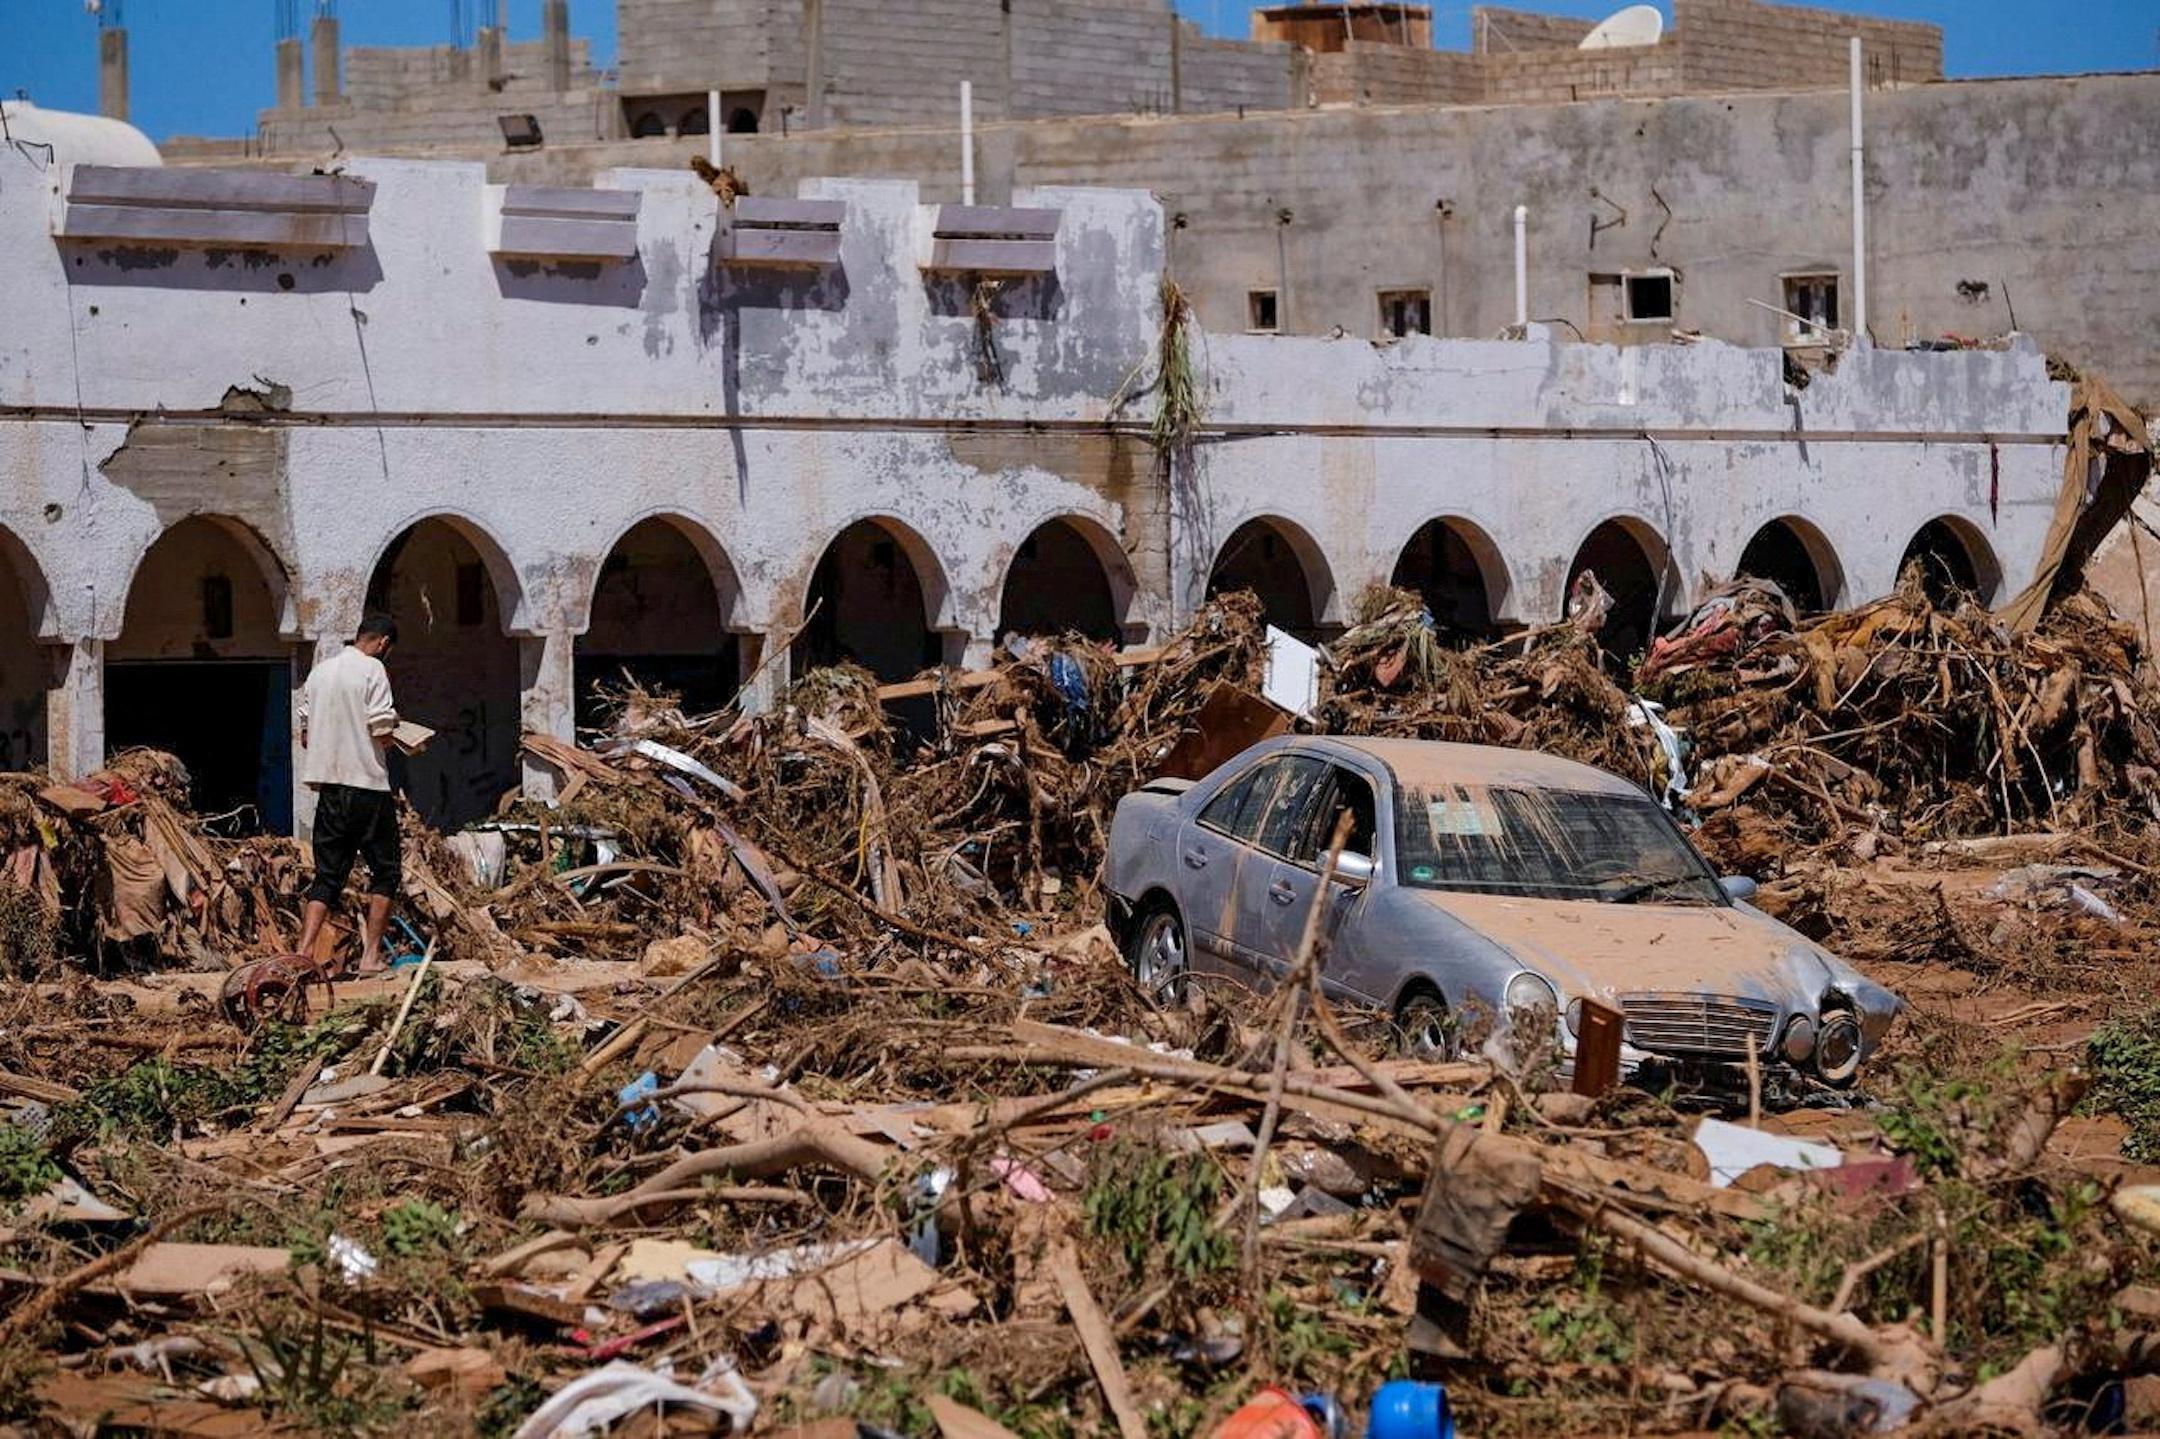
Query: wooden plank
[976, 679]
[1597, 1049]
[1099, 1340]
[44, 1091]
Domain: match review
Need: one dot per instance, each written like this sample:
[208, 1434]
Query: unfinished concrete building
[791, 65]
[571, 435]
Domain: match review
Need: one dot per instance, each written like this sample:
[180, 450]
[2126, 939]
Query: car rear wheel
[1426, 1027]
[1158, 954]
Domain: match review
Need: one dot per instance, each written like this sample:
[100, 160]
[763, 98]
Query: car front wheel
[1428, 1028]
[1158, 955]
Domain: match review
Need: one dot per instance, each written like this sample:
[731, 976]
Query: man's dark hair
[375, 622]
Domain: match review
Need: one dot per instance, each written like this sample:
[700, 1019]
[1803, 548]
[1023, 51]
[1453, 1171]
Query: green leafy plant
[502, 1413]
[2123, 1057]
[1159, 1209]
[157, 1097]
[26, 1167]
[325, 1380]
[1581, 1325]
[419, 1229]
[1303, 1341]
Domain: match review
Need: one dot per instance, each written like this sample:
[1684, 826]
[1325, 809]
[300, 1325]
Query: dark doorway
[229, 721]
[868, 608]
[201, 669]
[1626, 570]
[454, 670]
[1441, 567]
[1945, 562]
[656, 623]
[24, 667]
[1259, 557]
[1778, 553]
[1056, 585]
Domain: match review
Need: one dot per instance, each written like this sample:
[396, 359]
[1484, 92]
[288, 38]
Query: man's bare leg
[311, 923]
[371, 935]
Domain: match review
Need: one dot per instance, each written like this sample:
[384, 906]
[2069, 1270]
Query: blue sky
[203, 67]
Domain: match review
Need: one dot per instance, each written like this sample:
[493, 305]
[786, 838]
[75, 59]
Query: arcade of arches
[205, 662]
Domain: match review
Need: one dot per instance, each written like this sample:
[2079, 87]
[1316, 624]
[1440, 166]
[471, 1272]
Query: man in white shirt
[346, 716]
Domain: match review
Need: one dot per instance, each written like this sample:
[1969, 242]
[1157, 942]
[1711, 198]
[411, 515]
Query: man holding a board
[347, 724]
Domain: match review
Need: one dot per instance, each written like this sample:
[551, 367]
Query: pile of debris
[779, 1073]
[780, 1187]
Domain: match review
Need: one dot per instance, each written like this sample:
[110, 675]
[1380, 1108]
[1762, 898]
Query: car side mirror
[1355, 869]
[1738, 888]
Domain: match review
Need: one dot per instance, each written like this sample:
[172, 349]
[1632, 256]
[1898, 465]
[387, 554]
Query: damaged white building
[571, 435]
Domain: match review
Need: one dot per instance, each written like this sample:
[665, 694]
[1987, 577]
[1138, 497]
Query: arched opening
[1453, 567]
[1280, 566]
[695, 121]
[1057, 583]
[656, 623]
[1953, 560]
[1630, 563]
[742, 120]
[454, 669]
[1793, 555]
[23, 663]
[648, 125]
[202, 669]
[870, 604]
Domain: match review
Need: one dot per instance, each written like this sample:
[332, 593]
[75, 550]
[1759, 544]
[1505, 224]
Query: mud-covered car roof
[1424, 763]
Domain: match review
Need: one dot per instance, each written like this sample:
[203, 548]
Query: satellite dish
[1636, 25]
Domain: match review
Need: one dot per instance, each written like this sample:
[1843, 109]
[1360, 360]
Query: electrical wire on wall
[1665, 566]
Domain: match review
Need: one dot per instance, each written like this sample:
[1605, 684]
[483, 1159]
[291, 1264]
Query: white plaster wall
[550, 409]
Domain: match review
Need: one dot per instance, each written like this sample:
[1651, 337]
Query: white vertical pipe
[1859, 204]
[967, 142]
[1522, 265]
[712, 127]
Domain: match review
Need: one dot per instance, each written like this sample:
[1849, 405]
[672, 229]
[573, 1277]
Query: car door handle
[1282, 892]
[1195, 859]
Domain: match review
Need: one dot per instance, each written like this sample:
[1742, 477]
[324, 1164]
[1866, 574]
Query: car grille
[1718, 1026]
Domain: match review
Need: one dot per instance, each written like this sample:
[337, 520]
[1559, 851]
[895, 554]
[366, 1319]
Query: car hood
[1601, 950]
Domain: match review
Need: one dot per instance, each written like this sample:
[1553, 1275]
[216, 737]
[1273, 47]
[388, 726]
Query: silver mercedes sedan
[1483, 894]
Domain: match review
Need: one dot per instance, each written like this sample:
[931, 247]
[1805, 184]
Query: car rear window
[1546, 843]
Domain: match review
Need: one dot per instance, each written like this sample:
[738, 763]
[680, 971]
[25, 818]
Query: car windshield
[1546, 843]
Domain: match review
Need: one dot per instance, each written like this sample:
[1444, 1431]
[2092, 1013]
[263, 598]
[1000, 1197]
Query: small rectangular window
[1650, 297]
[1405, 312]
[217, 607]
[1811, 306]
[1260, 313]
[471, 594]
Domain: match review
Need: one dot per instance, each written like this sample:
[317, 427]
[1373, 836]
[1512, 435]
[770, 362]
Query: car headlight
[1837, 1048]
[1574, 1017]
[1532, 1002]
[1799, 1039]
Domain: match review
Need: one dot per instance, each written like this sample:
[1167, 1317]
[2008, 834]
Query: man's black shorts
[353, 823]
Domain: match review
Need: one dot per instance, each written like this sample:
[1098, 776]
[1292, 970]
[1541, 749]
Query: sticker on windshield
[1459, 815]
[1424, 873]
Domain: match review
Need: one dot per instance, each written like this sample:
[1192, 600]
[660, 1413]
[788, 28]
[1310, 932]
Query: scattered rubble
[781, 1075]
